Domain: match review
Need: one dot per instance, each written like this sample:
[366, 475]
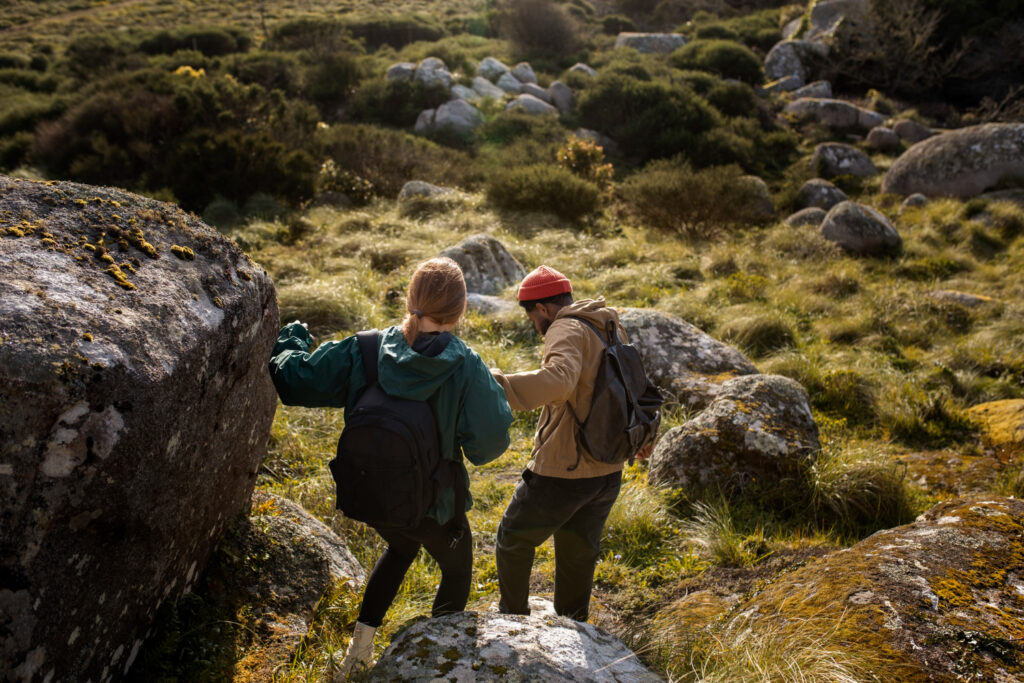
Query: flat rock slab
[835, 114]
[934, 599]
[647, 43]
[944, 473]
[137, 406]
[470, 646]
[960, 163]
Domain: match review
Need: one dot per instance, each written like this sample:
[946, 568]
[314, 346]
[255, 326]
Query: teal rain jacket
[471, 411]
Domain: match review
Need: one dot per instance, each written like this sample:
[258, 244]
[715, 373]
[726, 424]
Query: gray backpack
[625, 413]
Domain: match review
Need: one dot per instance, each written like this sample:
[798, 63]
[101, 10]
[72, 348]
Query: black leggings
[456, 569]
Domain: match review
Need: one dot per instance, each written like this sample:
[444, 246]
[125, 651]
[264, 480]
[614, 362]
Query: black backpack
[389, 469]
[625, 412]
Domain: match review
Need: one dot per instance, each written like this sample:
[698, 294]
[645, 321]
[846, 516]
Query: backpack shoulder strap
[368, 342]
[606, 339]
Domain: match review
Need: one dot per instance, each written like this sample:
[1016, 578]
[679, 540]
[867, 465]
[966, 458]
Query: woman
[422, 360]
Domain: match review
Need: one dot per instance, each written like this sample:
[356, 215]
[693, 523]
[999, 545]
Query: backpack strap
[368, 342]
[458, 524]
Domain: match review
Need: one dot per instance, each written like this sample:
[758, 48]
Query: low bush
[676, 199]
[585, 158]
[538, 28]
[649, 119]
[394, 103]
[271, 70]
[509, 126]
[544, 187]
[306, 33]
[733, 98]
[330, 80]
[759, 30]
[395, 30]
[211, 41]
[723, 57]
[614, 24]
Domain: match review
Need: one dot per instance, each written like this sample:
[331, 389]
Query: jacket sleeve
[318, 379]
[558, 375]
[484, 419]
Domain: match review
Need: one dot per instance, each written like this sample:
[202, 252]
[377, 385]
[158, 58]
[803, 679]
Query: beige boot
[359, 656]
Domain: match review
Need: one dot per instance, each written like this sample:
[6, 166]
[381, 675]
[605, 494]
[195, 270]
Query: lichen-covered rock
[529, 104]
[457, 117]
[491, 69]
[914, 201]
[835, 114]
[820, 193]
[797, 58]
[419, 189]
[585, 69]
[461, 92]
[812, 215]
[133, 349]
[561, 96]
[402, 71]
[488, 304]
[524, 73]
[537, 91]
[960, 163]
[912, 131]
[680, 357]
[941, 599]
[786, 84]
[945, 474]
[509, 83]
[646, 43]
[832, 159]
[432, 72]
[759, 196]
[757, 432]
[486, 264]
[883, 139]
[485, 88]
[470, 646]
[860, 229]
[818, 89]
[827, 15]
[1002, 422]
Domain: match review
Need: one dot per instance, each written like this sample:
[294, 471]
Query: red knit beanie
[542, 283]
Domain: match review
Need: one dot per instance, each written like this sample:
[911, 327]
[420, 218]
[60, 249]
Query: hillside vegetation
[247, 112]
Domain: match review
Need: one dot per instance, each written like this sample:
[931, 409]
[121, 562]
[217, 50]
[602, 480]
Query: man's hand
[645, 452]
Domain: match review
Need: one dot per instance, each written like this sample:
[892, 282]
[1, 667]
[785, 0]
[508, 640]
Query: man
[563, 491]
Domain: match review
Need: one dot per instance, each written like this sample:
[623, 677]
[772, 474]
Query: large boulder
[1002, 422]
[581, 68]
[912, 131]
[835, 114]
[883, 139]
[759, 196]
[812, 215]
[561, 96]
[832, 159]
[680, 357]
[960, 163]
[470, 646]
[402, 71]
[647, 43]
[457, 117]
[860, 229]
[486, 264]
[796, 58]
[433, 73]
[820, 193]
[757, 432]
[485, 88]
[827, 15]
[529, 104]
[137, 407]
[819, 89]
[462, 92]
[420, 189]
[491, 69]
[537, 91]
[509, 83]
[930, 600]
[524, 73]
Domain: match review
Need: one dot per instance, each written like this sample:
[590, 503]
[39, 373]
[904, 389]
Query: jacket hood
[592, 310]
[406, 374]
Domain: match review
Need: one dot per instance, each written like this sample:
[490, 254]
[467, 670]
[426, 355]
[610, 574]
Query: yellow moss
[217, 302]
[81, 202]
[107, 258]
[1002, 421]
[244, 275]
[87, 337]
[184, 253]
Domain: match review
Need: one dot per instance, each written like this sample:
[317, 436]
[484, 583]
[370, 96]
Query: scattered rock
[1012, 195]
[524, 73]
[942, 594]
[960, 163]
[835, 114]
[486, 304]
[912, 131]
[915, 200]
[812, 215]
[561, 96]
[402, 71]
[485, 88]
[486, 264]
[530, 105]
[646, 43]
[758, 431]
[1002, 421]
[820, 193]
[782, 85]
[432, 72]
[883, 139]
[760, 196]
[133, 434]
[472, 646]
[792, 28]
[418, 189]
[817, 89]
[461, 92]
[833, 159]
[860, 229]
[581, 68]
[680, 357]
[797, 58]
[510, 83]
[827, 15]
[536, 91]
[425, 122]
[455, 116]
[962, 298]
[491, 69]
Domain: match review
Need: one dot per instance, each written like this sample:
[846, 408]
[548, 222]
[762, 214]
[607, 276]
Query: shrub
[723, 57]
[330, 80]
[306, 33]
[585, 158]
[649, 119]
[395, 30]
[394, 103]
[690, 203]
[211, 41]
[28, 80]
[614, 24]
[15, 149]
[95, 52]
[13, 60]
[701, 81]
[543, 187]
[271, 70]
[733, 99]
[509, 126]
[222, 214]
[538, 28]
[334, 179]
[758, 29]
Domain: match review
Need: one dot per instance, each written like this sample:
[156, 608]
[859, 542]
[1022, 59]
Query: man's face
[541, 318]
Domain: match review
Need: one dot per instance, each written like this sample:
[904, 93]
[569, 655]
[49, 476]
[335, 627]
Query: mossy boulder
[1002, 422]
[960, 163]
[680, 357]
[501, 647]
[137, 406]
[941, 599]
[486, 264]
[757, 434]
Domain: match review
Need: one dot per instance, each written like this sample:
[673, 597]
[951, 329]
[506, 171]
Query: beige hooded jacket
[572, 353]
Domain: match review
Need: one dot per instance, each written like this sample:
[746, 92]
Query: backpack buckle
[456, 537]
